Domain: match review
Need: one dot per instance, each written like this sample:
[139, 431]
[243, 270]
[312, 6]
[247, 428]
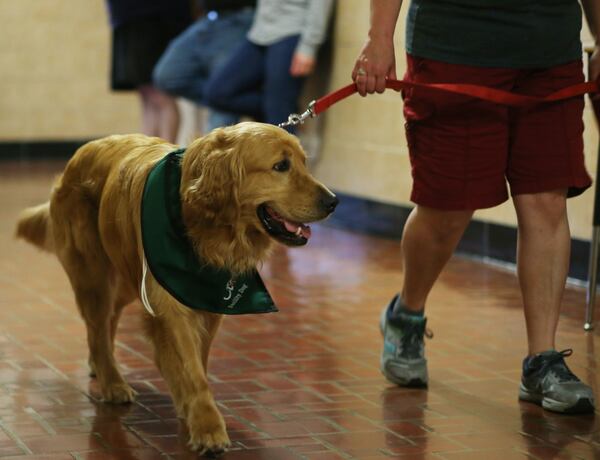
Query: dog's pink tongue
[293, 227]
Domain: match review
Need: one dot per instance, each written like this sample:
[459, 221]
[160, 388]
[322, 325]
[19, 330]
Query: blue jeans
[193, 56]
[256, 81]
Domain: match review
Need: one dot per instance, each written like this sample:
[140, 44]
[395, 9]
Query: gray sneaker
[548, 381]
[403, 359]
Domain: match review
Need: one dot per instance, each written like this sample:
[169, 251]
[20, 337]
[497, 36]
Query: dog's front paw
[208, 434]
[118, 393]
[214, 443]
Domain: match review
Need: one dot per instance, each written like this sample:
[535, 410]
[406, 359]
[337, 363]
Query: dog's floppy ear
[212, 170]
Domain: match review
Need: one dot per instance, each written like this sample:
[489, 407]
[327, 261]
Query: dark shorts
[463, 151]
[137, 47]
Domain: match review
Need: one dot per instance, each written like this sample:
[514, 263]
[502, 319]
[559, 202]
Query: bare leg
[160, 114]
[542, 263]
[149, 116]
[430, 236]
[169, 118]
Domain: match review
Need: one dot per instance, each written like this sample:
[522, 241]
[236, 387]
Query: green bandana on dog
[172, 259]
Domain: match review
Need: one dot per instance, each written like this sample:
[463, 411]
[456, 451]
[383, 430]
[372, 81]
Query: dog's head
[246, 185]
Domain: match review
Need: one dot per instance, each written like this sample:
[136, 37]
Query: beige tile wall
[54, 56]
[364, 151]
[54, 81]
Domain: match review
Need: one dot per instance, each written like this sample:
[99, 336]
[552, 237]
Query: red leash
[485, 93]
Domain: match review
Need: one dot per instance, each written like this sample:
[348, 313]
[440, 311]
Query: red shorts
[463, 151]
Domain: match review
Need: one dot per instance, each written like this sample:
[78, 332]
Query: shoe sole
[582, 406]
[413, 383]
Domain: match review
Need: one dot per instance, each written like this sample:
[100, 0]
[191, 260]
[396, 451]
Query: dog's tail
[34, 226]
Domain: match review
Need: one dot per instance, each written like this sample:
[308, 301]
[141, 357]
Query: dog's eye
[283, 165]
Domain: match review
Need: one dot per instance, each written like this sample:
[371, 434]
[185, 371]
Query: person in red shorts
[464, 151]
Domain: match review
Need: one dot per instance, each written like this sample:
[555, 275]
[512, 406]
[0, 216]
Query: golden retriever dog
[242, 187]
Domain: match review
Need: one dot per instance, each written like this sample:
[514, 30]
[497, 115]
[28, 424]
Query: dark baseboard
[42, 149]
[481, 239]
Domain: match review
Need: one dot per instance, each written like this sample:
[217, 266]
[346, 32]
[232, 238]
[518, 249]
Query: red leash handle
[477, 91]
[485, 93]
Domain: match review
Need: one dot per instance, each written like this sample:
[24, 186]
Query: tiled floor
[300, 384]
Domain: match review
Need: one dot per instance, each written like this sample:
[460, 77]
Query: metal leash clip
[298, 119]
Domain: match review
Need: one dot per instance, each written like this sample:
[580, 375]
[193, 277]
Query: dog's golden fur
[92, 224]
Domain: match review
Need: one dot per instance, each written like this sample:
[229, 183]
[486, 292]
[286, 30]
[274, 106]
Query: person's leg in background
[160, 115]
[237, 86]
[186, 65]
[137, 48]
[183, 68]
[233, 29]
[281, 89]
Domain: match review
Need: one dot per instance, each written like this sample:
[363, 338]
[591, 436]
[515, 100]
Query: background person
[265, 75]
[141, 31]
[192, 57]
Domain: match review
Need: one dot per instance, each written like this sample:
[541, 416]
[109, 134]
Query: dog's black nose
[329, 201]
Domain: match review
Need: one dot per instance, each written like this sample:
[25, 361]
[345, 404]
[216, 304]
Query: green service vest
[173, 261]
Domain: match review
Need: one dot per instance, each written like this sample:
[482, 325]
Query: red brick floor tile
[275, 381]
[61, 443]
[27, 429]
[8, 448]
[363, 440]
[122, 454]
[257, 415]
[352, 423]
[243, 436]
[274, 453]
[287, 397]
[40, 457]
[291, 442]
[408, 429]
[434, 444]
[495, 454]
[156, 427]
[167, 444]
[326, 456]
[303, 384]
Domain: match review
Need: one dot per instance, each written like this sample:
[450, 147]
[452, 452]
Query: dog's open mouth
[283, 230]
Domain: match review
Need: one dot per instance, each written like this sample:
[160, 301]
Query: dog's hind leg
[94, 302]
[179, 337]
[121, 299]
[90, 272]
